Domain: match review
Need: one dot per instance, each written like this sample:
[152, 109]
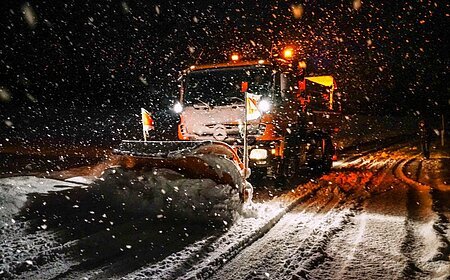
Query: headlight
[178, 108]
[258, 154]
[264, 105]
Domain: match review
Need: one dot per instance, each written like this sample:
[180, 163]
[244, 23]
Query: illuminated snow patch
[260, 210]
[81, 180]
[167, 194]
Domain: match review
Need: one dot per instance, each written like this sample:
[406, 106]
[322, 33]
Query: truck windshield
[221, 87]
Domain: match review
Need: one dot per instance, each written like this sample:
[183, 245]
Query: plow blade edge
[193, 159]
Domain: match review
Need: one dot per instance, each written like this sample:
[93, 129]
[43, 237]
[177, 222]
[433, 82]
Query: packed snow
[164, 193]
[377, 215]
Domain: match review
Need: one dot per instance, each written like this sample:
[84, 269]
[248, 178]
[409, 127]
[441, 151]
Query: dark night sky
[77, 68]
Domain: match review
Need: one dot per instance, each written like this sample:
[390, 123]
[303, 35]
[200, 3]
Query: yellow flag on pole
[253, 112]
[147, 123]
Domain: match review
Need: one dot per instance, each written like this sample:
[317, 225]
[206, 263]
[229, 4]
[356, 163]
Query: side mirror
[244, 87]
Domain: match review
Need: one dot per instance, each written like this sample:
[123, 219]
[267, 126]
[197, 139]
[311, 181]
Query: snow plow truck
[263, 115]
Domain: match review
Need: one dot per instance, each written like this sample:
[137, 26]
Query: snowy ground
[377, 215]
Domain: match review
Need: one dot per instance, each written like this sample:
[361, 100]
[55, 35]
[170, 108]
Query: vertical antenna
[245, 137]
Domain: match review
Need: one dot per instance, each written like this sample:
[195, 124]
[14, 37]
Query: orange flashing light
[302, 64]
[235, 57]
[181, 130]
[288, 53]
[244, 87]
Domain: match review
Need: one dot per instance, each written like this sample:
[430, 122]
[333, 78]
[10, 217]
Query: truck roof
[230, 64]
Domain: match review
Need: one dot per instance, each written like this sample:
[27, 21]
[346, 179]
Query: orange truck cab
[288, 126]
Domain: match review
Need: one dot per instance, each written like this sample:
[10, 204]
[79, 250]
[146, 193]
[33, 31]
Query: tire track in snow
[350, 256]
[440, 197]
[408, 246]
[441, 226]
[291, 231]
[369, 246]
[351, 205]
[440, 222]
[298, 241]
[203, 261]
[313, 251]
[424, 243]
[216, 262]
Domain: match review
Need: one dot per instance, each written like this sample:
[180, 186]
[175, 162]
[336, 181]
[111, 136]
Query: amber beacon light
[288, 53]
[235, 57]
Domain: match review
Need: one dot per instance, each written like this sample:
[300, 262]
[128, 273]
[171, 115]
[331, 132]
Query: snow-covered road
[378, 215]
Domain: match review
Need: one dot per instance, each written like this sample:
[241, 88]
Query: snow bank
[45, 224]
[14, 193]
[164, 193]
[22, 253]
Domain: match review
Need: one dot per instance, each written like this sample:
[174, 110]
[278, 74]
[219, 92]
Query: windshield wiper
[237, 100]
[203, 102]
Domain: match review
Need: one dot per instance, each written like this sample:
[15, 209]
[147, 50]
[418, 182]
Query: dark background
[78, 71]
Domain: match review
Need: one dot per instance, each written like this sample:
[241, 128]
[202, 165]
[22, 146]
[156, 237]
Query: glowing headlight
[177, 108]
[258, 154]
[264, 105]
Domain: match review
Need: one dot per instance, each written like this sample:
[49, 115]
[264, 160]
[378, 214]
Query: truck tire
[320, 153]
[327, 159]
[307, 154]
[293, 165]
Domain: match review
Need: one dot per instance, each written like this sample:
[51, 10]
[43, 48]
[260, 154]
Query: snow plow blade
[193, 159]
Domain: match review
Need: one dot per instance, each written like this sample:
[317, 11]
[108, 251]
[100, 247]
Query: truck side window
[288, 84]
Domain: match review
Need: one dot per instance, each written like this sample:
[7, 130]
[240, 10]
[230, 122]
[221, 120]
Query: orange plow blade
[193, 159]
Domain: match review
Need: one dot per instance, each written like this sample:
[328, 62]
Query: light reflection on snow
[261, 210]
[383, 218]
